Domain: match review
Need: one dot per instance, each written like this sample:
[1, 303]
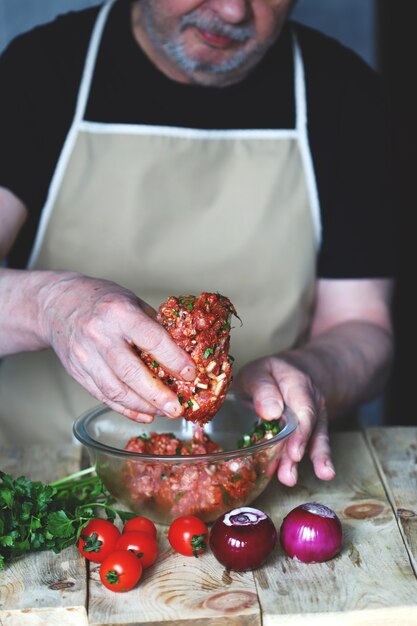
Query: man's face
[209, 42]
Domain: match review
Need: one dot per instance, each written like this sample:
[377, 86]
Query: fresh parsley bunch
[36, 516]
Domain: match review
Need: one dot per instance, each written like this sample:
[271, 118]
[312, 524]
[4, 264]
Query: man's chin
[218, 79]
[208, 70]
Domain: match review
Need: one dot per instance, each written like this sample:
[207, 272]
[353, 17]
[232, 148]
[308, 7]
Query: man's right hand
[93, 326]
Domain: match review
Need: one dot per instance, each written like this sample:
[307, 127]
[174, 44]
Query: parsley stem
[90, 504]
[74, 476]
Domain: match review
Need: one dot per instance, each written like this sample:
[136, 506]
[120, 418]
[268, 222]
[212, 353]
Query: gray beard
[232, 70]
[213, 72]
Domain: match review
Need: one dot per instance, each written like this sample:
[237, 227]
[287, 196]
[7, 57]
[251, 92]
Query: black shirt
[40, 73]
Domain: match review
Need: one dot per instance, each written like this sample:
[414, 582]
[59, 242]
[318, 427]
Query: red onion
[311, 533]
[241, 539]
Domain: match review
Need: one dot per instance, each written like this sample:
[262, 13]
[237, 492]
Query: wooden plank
[69, 616]
[178, 590]
[371, 578]
[43, 588]
[395, 454]
[398, 616]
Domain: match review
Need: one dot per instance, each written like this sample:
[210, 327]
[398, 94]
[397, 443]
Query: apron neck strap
[90, 61]
[299, 87]
[302, 132]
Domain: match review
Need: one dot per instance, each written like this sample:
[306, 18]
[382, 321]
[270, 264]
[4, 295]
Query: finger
[136, 375]
[272, 466]
[154, 339]
[148, 309]
[260, 385]
[134, 414]
[287, 471]
[320, 451]
[297, 442]
[140, 418]
[117, 394]
[102, 383]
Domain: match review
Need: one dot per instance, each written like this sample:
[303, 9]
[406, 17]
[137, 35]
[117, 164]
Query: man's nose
[232, 11]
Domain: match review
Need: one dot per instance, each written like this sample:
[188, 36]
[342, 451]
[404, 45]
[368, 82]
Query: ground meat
[195, 487]
[200, 326]
[168, 444]
[199, 488]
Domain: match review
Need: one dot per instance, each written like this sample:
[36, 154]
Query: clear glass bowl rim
[81, 433]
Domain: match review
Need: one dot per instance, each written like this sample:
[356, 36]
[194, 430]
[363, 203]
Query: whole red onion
[242, 538]
[311, 533]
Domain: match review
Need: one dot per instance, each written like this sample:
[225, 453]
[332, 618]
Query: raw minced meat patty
[200, 326]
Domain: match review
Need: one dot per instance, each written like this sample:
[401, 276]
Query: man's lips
[216, 40]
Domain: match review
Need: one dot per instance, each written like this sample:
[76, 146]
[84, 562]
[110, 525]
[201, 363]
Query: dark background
[383, 33]
[397, 56]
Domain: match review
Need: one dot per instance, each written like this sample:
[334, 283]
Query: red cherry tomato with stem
[144, 524]
[120, 571]
[188, 535]
[97, 539]
[143, 545]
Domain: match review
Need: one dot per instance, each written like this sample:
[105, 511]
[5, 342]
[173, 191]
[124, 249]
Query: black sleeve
[350, 138]
[39, 77]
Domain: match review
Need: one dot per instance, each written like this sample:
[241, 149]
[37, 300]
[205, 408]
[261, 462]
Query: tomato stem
[198, 543]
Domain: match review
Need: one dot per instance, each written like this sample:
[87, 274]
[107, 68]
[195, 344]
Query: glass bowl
[164, 487]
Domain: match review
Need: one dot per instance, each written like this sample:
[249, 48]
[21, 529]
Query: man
[168, 151]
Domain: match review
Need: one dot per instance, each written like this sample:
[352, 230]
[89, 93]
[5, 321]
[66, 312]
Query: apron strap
[69, 143]
[90, 61]
[301, 126]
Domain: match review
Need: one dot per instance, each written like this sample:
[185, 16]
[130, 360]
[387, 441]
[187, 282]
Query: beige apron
[167, 211]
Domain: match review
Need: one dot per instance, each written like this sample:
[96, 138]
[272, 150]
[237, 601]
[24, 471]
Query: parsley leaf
[38, 516]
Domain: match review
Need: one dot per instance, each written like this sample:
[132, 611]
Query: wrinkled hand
[93, 325]
[270, 383]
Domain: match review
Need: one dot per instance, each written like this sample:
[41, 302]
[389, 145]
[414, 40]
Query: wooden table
[372, 582]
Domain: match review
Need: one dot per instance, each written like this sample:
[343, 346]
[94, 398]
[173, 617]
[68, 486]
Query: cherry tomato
[98, 539]
[143, 545]
[141, 523]
[120, 570]
[188, 535]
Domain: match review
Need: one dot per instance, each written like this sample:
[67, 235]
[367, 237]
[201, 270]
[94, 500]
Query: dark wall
[397, 46]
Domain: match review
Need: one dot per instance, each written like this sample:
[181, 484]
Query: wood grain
[395, 453]
[370, 582]
[69, 616]
[372, 573]
[43, 587]
[178, 590]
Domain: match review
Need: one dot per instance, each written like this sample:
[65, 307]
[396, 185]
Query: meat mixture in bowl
[200, 488]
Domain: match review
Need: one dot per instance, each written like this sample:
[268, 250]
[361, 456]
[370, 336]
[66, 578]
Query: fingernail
[188, 373]
[294, 472]
[172, 409]
[271, 409]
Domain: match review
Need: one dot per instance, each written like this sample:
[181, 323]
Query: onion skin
[243, 538]
[311, 533]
